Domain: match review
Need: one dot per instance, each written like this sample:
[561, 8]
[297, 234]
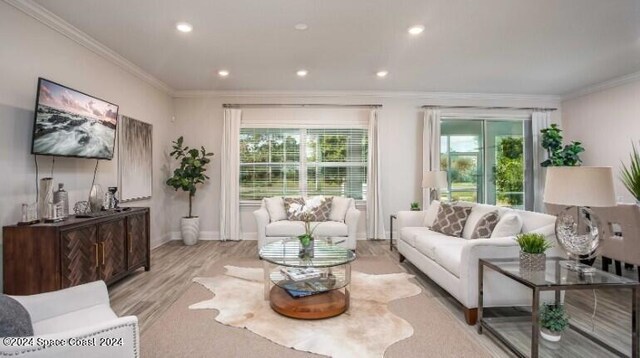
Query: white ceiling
[549, 47]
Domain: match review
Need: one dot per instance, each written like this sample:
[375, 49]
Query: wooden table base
[323, 305]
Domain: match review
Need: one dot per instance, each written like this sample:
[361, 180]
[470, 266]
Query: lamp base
[578, 267]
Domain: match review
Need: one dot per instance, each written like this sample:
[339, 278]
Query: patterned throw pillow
[287, 204]
[485, 226]
[321, 213]
[451, 219]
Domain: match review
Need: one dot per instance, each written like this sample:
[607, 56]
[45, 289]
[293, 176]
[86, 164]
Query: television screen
[72, 124]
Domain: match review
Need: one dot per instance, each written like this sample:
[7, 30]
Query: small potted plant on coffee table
[553, 321]
[532, 248]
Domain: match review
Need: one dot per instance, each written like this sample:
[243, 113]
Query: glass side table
[518, 332]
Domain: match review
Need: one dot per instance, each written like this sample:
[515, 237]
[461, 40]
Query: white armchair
[344, 233]
[75, 322]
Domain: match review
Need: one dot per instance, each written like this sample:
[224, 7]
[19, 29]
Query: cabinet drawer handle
[97, 258]
[102, 244]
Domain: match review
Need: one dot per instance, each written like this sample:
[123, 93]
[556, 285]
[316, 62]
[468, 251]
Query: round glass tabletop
[286, 253]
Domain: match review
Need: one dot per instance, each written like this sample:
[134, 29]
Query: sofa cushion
[431, 213]
[76, 319]
[449, 255]
[485, 226]
[296, 228]
[477, 212]
[451, 219]
[339, 208]
[275, 208]
[409, 234]
[15, 320]
[428, 242]
[290, 204]
[510, 224]
[322, 211]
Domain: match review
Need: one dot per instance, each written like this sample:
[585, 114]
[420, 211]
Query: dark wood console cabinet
[47, 257]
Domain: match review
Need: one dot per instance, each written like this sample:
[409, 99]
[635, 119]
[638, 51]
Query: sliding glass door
[486, 161]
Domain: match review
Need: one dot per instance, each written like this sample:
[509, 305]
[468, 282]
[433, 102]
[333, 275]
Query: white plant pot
[190, 229]
[550, 336]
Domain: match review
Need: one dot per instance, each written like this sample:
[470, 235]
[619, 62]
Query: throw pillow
[431, 213]
[485, 226]
[275, 207]
[287, 205]
[15, 320]
[451, 219]
[322, 212]
[339, 208]
[510, 224]
[478, 211]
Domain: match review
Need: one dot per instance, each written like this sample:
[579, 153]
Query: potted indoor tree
[630, 175]
[190, 173]
[553, 321]
[532, 251]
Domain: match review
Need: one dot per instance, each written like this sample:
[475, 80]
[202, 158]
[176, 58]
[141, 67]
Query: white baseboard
[163, 239]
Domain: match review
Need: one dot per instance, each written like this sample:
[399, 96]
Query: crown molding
[372, 94]
[615, 82]
[56, 23]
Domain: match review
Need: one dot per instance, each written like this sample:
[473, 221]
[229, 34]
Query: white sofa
[73, 316]
[343, 232]
[452, 262]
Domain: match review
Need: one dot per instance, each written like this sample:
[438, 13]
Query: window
[285, 161]
[486, 161]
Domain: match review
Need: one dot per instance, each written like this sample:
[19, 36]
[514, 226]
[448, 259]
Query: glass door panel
[505, 157]
[461, 156]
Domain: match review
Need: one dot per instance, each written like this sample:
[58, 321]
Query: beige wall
[606, 122]
[30, 50]
[199, 119]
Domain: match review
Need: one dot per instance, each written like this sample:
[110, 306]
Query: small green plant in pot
[415, 206]
[630, 175]
[532, 251]
[553, 321]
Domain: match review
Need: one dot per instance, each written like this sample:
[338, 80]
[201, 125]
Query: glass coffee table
[520, 333]
[307, 287]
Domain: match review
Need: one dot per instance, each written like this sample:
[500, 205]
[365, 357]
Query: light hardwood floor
[173, 265]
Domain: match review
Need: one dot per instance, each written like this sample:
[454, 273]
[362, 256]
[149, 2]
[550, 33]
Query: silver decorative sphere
[571, 235]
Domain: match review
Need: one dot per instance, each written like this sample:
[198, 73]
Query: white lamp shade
[436, 179]
[580, 186]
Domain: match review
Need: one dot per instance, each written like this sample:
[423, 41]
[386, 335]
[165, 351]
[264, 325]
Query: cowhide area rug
[366, 330]
[178, 331]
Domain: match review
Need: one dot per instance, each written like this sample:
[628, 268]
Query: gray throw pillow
[451, 219]
[485, 226]
[287, 205]
[15, 320]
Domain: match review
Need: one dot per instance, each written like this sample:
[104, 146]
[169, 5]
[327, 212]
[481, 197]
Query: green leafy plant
[630, 175]
[533, 243]
[554, 318]
[193, 164]
[415, 206]
[569, 155]
[509, 171]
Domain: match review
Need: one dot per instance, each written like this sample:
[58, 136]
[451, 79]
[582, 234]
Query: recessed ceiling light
[416, 30]
[302, 73]
[301, 26]
[223, 73]
[184, 27]
[382, 74]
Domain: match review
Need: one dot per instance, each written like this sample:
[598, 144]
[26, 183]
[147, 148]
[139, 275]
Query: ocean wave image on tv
[69, 123]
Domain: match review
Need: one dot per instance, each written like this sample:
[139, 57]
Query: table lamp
[434, 180]
[579, 189]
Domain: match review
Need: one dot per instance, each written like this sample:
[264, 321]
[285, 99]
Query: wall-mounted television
[70, 123]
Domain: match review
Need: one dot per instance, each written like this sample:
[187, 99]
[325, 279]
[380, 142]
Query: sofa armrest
[262, 220]
[115, 338]
[351, 219]
[50, 304]
[410, 219]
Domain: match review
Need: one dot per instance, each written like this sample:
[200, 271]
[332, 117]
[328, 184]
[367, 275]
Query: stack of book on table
[302, 282]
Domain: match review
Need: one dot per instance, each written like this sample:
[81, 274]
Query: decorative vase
[306, 247]
[532, 262]
[190, 229]
[45, 198]
[61, 196]
[550, 336]
[95, 198]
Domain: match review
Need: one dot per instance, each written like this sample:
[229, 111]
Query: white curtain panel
[230, 176]
[539, 120]
[375, 220]
[430, 148]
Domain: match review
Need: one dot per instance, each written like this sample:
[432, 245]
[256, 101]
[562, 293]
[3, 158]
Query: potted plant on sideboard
[553, 321]
[190, 173]
[415, 206]
[630, 175]
[532, 251]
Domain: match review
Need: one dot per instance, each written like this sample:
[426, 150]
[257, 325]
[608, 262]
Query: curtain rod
[310, 105]
[482, 107]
